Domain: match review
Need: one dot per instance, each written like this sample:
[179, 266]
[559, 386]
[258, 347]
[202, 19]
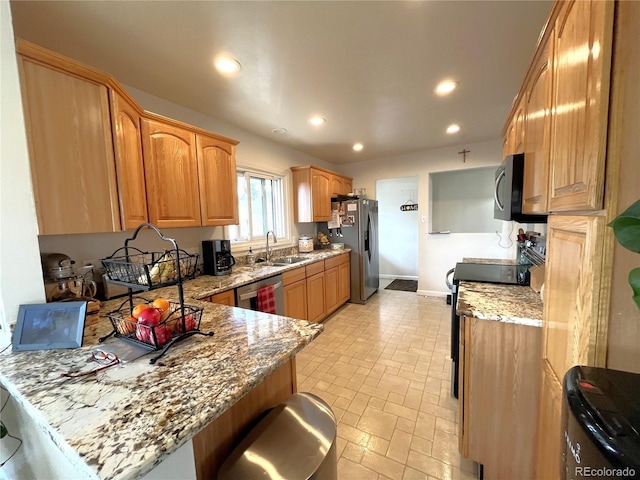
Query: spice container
[305, 244]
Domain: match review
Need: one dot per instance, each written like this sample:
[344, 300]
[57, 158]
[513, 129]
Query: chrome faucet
[275, 240]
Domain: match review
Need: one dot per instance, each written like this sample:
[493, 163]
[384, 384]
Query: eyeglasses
[104, 359]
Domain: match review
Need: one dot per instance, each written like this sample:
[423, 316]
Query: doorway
[398, 229]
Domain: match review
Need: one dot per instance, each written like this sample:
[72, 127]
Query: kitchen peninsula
[499, 349]
[125, 420]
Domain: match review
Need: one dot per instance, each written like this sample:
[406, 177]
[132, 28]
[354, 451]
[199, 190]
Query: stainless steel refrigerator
[359, 232]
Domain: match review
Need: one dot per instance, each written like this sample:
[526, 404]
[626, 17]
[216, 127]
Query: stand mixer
[63, 282]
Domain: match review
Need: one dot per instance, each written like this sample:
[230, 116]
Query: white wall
[20, 270]
[398, 230]
[438, 253]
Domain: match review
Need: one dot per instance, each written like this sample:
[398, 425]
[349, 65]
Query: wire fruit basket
[171, 323]
[140, 270]
[146, 270]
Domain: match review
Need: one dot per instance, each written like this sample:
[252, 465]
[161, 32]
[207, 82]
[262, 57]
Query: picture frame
[48, 326]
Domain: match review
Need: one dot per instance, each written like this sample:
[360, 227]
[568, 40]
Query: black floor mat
[403, 285]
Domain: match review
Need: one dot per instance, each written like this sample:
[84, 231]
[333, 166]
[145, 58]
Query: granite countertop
[123, 421]
[207, 285]
[499, 302]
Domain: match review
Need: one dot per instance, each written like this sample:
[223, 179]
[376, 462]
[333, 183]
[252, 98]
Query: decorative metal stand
[138, 270]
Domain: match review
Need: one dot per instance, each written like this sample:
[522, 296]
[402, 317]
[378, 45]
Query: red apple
[150, 317]
[189, 324]
[163, 334]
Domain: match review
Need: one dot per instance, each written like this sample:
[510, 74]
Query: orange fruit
[130, 324]
[161, 304]
[135, 313]
[164, 315]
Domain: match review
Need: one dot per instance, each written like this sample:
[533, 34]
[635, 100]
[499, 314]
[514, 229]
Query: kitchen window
[261, 207]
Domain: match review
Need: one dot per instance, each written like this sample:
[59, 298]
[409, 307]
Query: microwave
[507, 193]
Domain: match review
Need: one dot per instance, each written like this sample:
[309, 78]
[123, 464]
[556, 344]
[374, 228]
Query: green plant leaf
[626, 227]
[634, 281]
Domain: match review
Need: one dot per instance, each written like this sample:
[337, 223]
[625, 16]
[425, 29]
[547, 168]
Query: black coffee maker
[216, 257]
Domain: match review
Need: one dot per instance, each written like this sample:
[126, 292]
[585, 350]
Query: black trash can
[295, 441]
[600, 424]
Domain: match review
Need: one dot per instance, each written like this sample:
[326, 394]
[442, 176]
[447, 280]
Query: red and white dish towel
[267, 299]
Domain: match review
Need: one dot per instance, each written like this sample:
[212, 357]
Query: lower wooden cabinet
[550, 418]
[213, 444]
[498, 396]
[295, 293]
[224, 298]
[331, 300]
[576, 294]
[344, 280]
[315, 297]
[337, 277]
[295, 300]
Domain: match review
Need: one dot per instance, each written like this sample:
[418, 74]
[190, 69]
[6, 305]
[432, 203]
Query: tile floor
[384, 368]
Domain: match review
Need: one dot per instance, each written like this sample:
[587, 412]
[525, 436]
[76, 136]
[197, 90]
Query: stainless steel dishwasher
[247, 295]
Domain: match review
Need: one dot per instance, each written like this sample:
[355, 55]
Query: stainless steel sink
[283, 262]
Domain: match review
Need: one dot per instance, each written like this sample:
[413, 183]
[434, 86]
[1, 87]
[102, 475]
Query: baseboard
[399, 277]
[432, 293]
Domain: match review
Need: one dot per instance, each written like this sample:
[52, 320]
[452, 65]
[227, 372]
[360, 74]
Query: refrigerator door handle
[369, 237]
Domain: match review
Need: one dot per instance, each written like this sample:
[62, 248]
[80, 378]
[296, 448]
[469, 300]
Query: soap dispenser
[251, 257]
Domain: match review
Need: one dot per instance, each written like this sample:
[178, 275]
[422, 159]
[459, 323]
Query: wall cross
[464, 155]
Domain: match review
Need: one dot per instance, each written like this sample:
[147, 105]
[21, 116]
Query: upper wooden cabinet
[536, 142]
[347, 185]
[97, 166]
[171, 173]
[320, 195]
[337, 185]
[313, 189]
[340, 185]
[127, 137]
[514, 135]
[311, 195]
[70, 147]
[581, 71]
[217, 181]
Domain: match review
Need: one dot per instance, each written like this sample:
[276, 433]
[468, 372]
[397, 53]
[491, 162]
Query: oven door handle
[254, 294]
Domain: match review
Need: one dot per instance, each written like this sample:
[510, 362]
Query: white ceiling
[369, 67]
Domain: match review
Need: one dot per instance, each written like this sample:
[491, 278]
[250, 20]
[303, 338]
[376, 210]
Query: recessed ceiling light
[446, 87]
[279, 131]
[227, 65]
[358, 147]
[317, 120]
[453, 128]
